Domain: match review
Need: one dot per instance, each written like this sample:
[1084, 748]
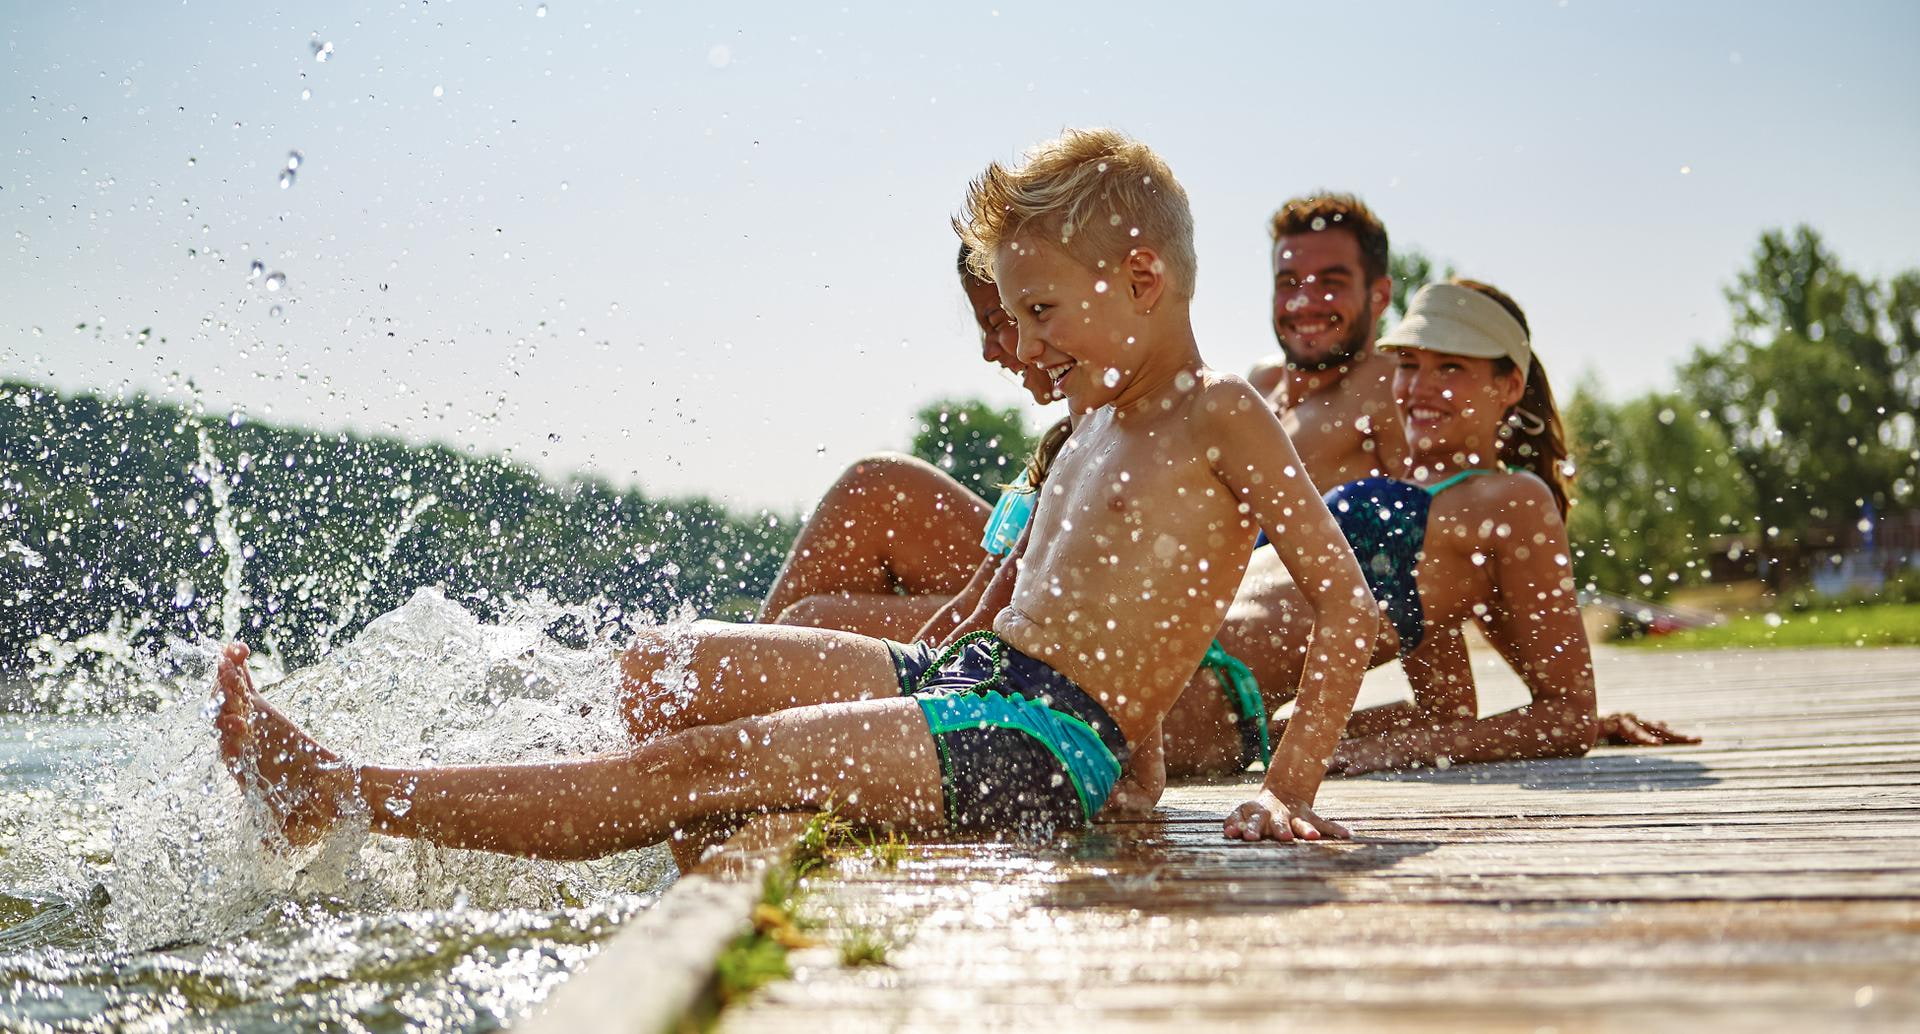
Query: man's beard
[1349, 346]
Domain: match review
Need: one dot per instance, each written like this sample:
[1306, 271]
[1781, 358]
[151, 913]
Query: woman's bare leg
[714, 672]
[1268, 627]
[885, 615]
[891, 525]
[874, 759]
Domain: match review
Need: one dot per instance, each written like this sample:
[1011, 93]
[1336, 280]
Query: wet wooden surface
[1768, 879]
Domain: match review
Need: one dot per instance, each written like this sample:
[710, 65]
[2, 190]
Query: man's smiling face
[1323, 312]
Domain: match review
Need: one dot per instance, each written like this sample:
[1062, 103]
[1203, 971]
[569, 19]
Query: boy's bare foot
[302, 783]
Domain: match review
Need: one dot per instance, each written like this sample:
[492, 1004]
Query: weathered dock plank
[1768, 878]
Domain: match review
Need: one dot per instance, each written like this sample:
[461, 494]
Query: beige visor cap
[1460, 321]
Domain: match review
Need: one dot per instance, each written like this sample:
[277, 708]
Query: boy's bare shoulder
[1224, 395]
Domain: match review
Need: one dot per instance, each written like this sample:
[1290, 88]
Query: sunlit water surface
[136, 893]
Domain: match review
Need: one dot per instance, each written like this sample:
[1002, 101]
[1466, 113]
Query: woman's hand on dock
[1267, 817]
[1628, 730]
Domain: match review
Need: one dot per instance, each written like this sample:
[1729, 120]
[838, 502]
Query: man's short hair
[1314, 213]
[1097, 193]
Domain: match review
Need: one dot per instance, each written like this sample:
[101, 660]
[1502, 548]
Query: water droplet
[321, 50]
[720, 56]
[439, 91]
[191, 160]
[275, 312]
[1183, 381]
[540, 11]
[294, 160]
[1686, 170]
[1110, 378]
[276, 281]
[306, 95]
[286, 178]
[399, 806]
[256, 270]
[820, 449]
[553, 436]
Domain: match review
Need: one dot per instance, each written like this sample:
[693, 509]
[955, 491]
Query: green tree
[982, 447]
[1410, 269]
[1818, 388]
[1657, 490]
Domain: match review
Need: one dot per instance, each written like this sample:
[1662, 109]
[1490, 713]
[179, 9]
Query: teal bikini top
[1010, 517]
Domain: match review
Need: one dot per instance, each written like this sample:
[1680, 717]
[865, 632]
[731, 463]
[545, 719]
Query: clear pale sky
[704, 249]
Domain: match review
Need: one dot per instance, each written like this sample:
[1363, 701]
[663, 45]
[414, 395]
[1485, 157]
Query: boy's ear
[1146, 278]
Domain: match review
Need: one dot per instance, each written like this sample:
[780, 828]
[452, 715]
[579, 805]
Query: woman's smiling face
[1453, 403]
[1000, 338]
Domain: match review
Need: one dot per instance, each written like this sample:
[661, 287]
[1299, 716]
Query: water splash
[220, 494]
[344, 615]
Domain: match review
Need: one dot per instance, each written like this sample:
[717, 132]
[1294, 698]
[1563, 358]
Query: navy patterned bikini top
[1385, 523]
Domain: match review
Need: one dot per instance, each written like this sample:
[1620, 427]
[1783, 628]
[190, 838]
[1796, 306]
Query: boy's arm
[1253, 457]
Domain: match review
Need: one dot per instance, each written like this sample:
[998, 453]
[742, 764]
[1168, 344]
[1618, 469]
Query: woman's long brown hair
[1544, 450]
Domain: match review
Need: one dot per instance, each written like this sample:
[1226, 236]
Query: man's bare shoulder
[1268, 374]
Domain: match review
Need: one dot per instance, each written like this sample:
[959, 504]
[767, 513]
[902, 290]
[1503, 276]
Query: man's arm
[1257, 462]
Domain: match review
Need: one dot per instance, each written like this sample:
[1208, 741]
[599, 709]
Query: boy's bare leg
[891, 524]
[738, 671]
[875, 759]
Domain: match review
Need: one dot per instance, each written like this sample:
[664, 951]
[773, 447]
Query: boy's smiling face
[1078, 326]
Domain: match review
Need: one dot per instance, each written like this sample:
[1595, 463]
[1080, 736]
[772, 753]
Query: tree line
[125, 517]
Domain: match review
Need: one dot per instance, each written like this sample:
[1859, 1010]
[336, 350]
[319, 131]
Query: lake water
[135, 892]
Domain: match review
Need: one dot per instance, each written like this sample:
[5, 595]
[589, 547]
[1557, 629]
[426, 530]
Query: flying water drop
[255, 271]
[276, 281]
[321, 50]
[286, 178]
[1111, 378]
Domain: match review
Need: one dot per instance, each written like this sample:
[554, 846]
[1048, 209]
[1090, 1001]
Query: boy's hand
[1632, 731]
[1266, 817]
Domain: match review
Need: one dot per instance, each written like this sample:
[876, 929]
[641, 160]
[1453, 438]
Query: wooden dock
[1768, 879]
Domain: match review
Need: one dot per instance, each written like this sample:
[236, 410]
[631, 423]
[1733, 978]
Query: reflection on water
[134, 890]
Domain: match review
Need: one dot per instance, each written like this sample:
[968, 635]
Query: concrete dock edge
[654, 969]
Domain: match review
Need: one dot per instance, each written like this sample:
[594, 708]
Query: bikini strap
[1456, 479]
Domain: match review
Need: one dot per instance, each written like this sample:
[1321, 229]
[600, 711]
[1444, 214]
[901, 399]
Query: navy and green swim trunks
[1022, 749]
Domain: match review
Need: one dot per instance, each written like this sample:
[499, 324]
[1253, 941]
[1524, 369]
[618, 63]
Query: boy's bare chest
[1131, 490]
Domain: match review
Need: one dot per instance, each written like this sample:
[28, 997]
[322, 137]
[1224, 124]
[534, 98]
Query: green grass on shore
[1891, 624]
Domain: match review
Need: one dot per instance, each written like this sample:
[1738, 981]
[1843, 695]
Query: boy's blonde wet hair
[1097, 193]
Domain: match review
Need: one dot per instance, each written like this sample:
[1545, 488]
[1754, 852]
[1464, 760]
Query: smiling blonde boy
[1138, 541]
